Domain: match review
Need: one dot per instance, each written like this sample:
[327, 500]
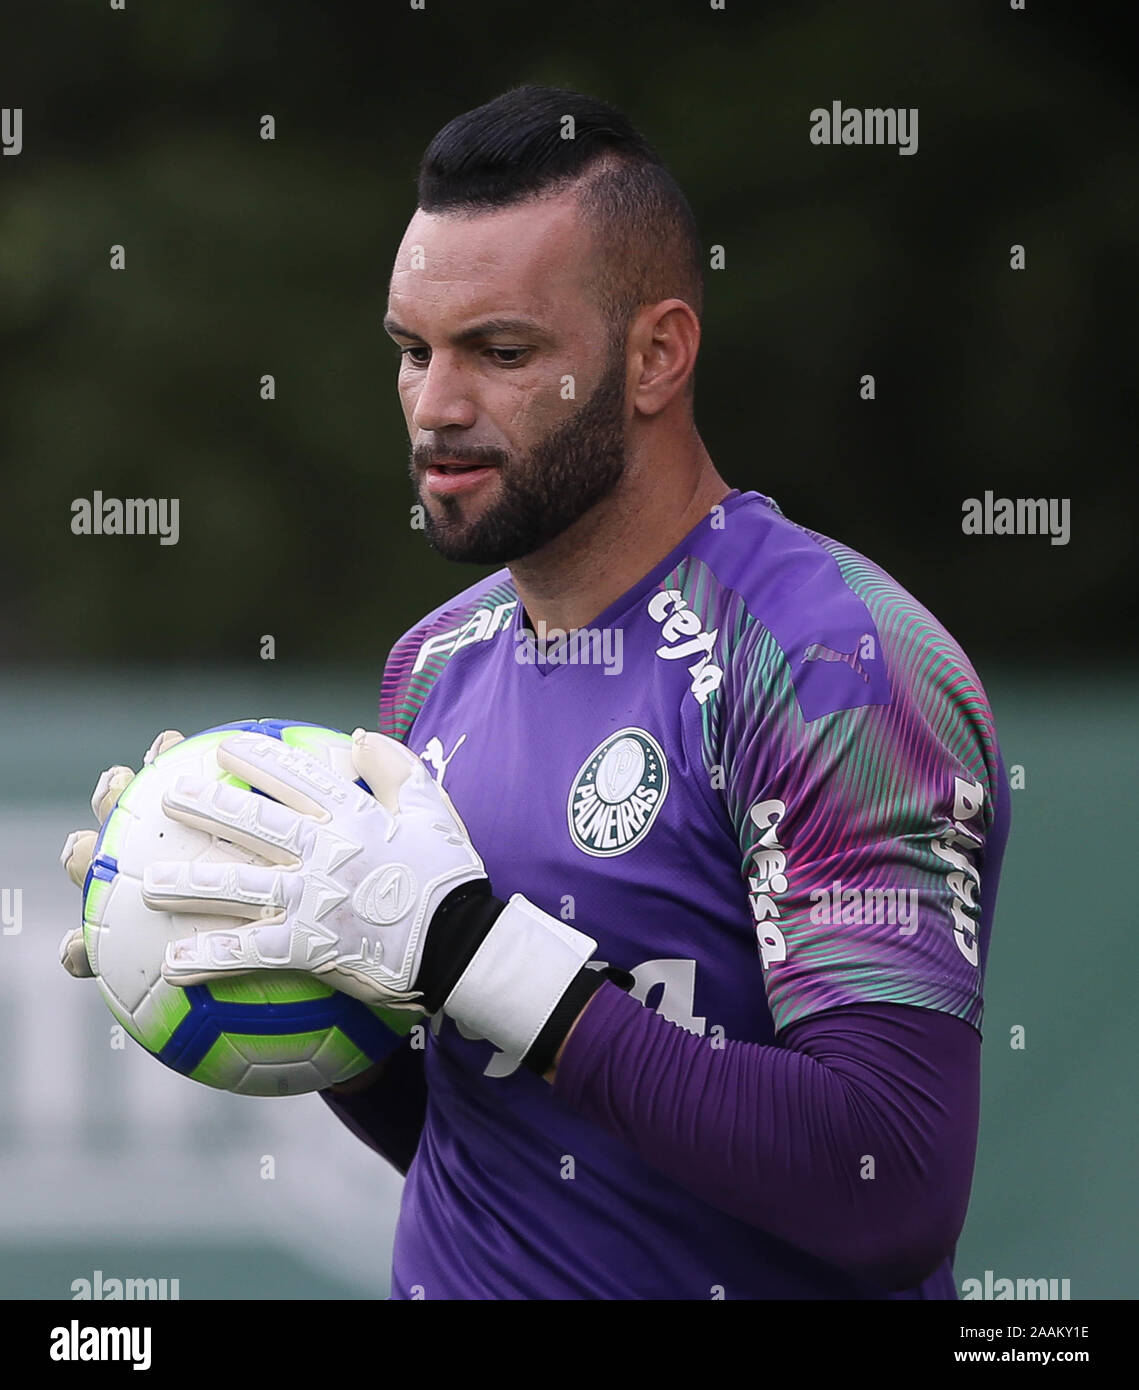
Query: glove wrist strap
[459, 925]
[509, 972]
[517, 978]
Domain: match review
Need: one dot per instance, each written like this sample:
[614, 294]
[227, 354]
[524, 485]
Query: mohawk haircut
[512, 151]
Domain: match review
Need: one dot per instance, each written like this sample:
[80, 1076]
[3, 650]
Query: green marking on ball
[122, 1018]
[269, 987]
[159, 1015]
[313, 740]
[339, 1057]
[232, 1060]
[95, 901]
[222, 1066]
[114, 832]
[400, 1021]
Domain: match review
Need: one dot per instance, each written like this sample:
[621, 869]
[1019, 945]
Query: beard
[576, 465]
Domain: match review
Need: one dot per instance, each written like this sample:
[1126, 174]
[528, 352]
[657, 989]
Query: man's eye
[508, 357]
[409, 354]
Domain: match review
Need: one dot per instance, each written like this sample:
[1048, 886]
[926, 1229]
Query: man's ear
[666, 339]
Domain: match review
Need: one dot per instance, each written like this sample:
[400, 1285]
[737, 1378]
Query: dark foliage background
[246, 257]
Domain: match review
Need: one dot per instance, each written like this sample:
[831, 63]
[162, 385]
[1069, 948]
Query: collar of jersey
[631, 597]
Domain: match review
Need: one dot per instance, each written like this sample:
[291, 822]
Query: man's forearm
[780, 1136]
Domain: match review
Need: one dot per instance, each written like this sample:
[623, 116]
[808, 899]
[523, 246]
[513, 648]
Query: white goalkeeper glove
[382, 895]
[80, 846]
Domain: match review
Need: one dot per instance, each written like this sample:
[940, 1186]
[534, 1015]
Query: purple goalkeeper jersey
[767, 781]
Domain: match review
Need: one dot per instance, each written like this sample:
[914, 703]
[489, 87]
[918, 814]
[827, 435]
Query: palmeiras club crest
[617, 793]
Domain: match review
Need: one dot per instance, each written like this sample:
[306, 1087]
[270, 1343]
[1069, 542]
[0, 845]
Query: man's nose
[444, 397]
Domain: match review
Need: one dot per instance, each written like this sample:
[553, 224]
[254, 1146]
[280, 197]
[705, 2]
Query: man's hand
[381, 894]
[80, 846]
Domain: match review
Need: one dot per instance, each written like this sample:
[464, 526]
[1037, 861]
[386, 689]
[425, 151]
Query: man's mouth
[453, 475]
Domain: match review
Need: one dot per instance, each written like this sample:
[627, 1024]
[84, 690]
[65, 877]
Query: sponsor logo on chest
[686, 639]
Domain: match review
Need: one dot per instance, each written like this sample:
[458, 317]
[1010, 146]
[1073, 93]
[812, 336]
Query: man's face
[511, 385]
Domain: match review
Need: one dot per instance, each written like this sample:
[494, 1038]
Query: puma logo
[817, 652]
[433, 755]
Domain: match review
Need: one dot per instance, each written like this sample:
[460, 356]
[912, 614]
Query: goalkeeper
[693, 868]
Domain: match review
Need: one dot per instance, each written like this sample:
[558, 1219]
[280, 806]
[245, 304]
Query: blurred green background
[246, 257]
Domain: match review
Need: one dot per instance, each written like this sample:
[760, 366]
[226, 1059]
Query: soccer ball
[269, 1033]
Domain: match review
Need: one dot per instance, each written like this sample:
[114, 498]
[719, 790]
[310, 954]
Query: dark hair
[512, 150]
